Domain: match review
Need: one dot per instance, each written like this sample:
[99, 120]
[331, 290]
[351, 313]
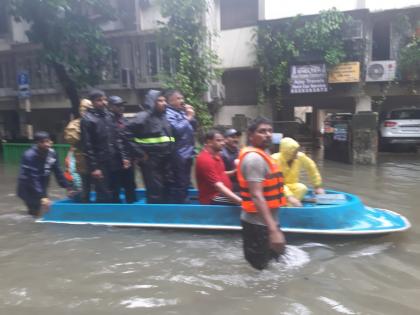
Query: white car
[401, 126]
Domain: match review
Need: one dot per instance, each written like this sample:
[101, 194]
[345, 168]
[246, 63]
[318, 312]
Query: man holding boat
[261, 188]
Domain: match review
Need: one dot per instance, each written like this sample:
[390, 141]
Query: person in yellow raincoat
[291, 161]
[72, 136]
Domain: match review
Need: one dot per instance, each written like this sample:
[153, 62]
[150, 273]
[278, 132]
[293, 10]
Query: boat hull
[349, 218]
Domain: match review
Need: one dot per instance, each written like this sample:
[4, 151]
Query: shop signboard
[308, 79]
[346, 72]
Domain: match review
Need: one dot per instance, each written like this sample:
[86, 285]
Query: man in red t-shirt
[214, 185]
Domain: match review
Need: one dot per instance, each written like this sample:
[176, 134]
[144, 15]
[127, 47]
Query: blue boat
[343, 216]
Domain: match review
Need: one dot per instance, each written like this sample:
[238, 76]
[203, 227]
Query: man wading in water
[261, 187]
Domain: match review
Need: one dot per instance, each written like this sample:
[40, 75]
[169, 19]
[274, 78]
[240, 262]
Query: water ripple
[371, 250]
[192, 280]
[336, 305]
[137, 302]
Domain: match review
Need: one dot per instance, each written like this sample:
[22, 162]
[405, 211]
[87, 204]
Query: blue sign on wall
[23, 78]
[23, 84]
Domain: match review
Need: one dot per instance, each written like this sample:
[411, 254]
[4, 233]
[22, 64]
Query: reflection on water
[63, 269]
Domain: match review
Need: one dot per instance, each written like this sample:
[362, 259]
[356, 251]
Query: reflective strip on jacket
[154, 140]
[272, 184]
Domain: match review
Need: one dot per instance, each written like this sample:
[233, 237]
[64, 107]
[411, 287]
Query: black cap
[232, 132]
[116, 100]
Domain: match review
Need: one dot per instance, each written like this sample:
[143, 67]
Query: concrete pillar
[365, 138]
[24, 116]
[363, 103]
[261, 10]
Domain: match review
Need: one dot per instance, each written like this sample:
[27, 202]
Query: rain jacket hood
[85, 104]
[287, 148]
[150, 100]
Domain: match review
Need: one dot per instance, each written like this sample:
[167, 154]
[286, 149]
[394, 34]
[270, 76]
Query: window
[41, 75]
[151, 59]
[241, 87]
[127, 13]
[238, 13]
[381, 40]
[405, 114]
[4, 19]
[7, 79]
[157, 61]
[111, 73]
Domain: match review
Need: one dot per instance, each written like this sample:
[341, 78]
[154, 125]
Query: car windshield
[405, 114]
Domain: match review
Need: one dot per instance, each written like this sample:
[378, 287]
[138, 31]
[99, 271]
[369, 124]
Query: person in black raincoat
[123, 177]
[35, 168]
[152, 142]
[102, 146]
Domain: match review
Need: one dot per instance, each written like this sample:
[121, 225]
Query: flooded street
[63, 269]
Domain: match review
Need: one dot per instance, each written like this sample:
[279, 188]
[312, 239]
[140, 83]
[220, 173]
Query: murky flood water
[62, 269]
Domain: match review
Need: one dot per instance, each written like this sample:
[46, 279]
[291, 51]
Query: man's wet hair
[41, 136]
[254, 124]
[169, 93]
[210, 134]
[95, 94]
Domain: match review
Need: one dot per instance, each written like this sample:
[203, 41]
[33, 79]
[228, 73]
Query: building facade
[137, 60]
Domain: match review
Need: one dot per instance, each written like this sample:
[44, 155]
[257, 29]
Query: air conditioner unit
[127, 78]
[216, 92]
[383, 70]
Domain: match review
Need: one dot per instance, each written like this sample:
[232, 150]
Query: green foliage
[318, 39]
[402, 24]
[70, 36]
[185, 40]
[409, 60]
[409, 55]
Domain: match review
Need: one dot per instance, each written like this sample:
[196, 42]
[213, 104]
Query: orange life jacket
[272, 184]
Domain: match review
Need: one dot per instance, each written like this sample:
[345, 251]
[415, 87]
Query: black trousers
[86, 187]
[123, 179]
[34, 207]
[256, 245]
[103, 185]
[157, 177]
[181, 179]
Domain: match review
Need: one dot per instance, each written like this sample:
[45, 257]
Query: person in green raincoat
[291, 161]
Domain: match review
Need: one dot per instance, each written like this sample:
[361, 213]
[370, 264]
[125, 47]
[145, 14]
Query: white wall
[150, 16]
[18, 32]
[236, 47]
[275, 9]
[4, 44]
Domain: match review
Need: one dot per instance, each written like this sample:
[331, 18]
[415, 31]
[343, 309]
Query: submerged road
[60, 269]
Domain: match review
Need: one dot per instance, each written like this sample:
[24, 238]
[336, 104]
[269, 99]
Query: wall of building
[226, 113]
[237, 48]
[149, 16]
[18, 31]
